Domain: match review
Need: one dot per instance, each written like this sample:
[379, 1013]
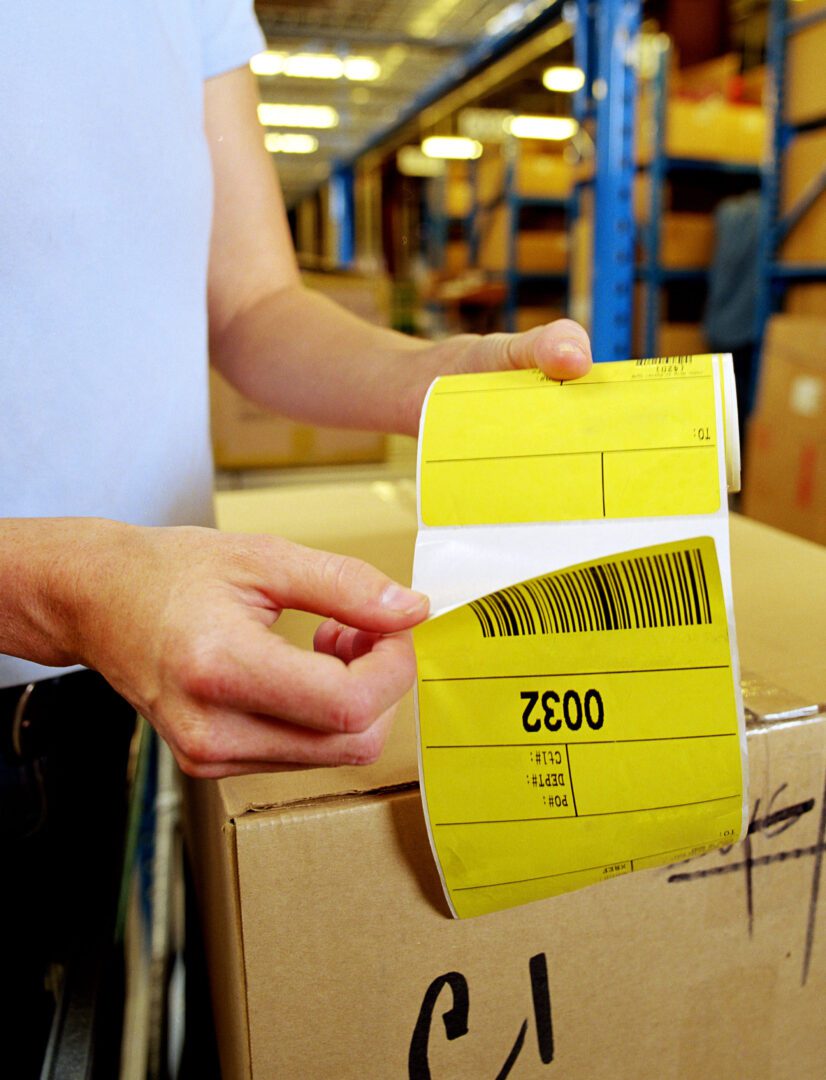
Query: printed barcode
[664, 360]
[638, 593]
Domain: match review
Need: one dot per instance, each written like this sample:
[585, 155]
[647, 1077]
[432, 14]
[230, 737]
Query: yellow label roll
[585, 721]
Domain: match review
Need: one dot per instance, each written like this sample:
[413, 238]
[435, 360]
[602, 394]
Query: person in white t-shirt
[110, 444]
[142, 227]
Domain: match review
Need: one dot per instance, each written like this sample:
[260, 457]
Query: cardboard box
[246, 436]
[804, 162]
[528, 317]
[456, 257]
[808, 299]
[785, 477]
[331, 953]
[536, 250]
[681, 339]
[707, 79]
[712, 129]
[686, 240]
[536, 175]
[785, 473]
[805, 84]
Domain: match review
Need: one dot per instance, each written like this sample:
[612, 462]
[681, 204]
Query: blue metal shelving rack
[662, 166]
[605, 38]
[776, 276]
[514, 205]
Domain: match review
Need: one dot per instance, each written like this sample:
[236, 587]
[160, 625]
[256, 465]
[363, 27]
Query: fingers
[230, 744]
[561, 350]
[350, 590]
[255, 671]
[343, 641]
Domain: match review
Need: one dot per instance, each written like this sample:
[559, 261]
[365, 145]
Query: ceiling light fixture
[361, 68]
[567, 80]
[313, 66]
[316, 66]
[295, 143]
[556, 128]
[307, 116]
[268, 63]
[453, 147]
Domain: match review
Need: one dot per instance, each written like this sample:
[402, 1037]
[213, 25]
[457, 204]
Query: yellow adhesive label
[580, 725]
[631, 439]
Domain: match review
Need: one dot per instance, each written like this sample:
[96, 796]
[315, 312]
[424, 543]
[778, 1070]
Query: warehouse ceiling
[418, 46]
[421, 49]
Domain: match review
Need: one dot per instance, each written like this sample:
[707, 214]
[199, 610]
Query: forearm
[300, 354]
[47, 566]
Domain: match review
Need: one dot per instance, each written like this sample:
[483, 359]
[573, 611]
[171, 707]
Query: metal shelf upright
[514, 205]
[662, 166]
[605, 42]
[776, 276]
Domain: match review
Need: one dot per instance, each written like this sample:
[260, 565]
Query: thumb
[346, 589]
[561, 350]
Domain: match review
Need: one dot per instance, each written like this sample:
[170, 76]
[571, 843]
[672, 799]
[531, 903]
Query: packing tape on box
[578, 694]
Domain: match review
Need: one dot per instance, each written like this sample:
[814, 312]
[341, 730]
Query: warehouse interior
[654, 170]
[725, 172]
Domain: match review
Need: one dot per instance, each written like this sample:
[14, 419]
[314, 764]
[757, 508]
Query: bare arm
[180, 620]
[294, 350]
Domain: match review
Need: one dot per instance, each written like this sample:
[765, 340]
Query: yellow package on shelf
[574, 541]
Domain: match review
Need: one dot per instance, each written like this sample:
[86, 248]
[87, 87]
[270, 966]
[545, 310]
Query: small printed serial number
[550, 711]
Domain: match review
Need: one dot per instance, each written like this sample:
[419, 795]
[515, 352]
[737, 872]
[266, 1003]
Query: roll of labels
[578, 694]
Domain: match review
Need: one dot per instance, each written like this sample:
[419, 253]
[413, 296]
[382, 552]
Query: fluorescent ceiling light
[543, 127]
[267, 63]
[410, 161]
[455, 147]
[294, 143]
[316, 66]
[361, 68]
[567, 80]
[306, 116]
[313, 66]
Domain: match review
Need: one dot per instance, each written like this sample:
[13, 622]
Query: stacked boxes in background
[785, 474]
[246, 436]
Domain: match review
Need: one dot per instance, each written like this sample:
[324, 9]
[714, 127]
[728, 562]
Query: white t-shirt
[105, 210]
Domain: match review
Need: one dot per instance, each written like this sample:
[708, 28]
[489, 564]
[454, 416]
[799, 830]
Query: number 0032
[550, 711]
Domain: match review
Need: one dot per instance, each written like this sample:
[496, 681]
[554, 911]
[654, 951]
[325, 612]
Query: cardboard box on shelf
[805, 85]
[686, 240]
[681, 339]
[536, 250]
[785, 473]
[528, 317]
[804, 162]
[712, 129]
[807, 299]
[330, 950]
[710, 78]
[535, 175]
[245, 436]
[456, 257]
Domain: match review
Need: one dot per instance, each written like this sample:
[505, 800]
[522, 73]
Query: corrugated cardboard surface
[330, 947]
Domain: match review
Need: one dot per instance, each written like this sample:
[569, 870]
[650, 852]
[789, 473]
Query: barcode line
[641, 592]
